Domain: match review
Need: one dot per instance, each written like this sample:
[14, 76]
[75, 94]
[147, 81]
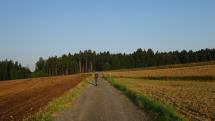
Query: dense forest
[88, 61]
[13, 70]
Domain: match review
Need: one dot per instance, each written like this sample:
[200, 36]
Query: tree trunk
[91, 66]
[80, 66]
[86, 68]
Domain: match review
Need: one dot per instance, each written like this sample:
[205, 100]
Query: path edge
[57, 105]
[156, 110]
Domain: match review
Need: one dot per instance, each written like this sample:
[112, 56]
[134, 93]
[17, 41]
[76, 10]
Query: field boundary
[158, 111]
[59, 104]
[166, 66]
[177, 78]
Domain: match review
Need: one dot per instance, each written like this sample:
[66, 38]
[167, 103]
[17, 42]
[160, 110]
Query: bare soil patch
[19, 98]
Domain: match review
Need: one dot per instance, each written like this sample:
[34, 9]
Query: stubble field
[193, 98]
[205, 70]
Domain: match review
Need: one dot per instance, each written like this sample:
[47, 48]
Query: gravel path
[102, 103]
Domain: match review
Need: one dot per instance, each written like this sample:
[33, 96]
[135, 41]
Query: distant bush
[39, 74]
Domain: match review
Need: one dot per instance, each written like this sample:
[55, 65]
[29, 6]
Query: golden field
[194, 99]
[205, 70]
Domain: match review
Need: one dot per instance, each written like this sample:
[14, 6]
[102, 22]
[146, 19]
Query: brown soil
[19, 98]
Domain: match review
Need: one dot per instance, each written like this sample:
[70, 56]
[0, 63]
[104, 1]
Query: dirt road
[102, 103]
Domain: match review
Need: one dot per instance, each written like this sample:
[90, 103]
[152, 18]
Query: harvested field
[19, 98]
[195, 100]
[205, 70]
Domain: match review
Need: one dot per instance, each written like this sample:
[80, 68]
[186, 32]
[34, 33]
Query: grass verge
[158, 111]
[58, 104]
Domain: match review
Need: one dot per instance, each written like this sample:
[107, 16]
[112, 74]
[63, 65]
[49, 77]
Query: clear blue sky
[30, 29]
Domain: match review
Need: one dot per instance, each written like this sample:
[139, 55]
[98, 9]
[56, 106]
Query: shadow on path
[91, 83]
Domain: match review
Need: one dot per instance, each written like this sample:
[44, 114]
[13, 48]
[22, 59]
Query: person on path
[96, 76]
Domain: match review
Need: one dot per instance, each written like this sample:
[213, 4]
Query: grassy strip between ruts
[58, 104]
[158, 111]
[193, 78]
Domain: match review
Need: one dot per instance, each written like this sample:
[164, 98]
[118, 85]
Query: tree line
[13, 70]
[88, 61]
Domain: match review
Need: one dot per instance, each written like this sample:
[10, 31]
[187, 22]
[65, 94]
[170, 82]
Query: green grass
[58, 104]
[158, 111]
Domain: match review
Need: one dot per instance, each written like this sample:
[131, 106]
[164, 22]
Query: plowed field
[19, 98]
